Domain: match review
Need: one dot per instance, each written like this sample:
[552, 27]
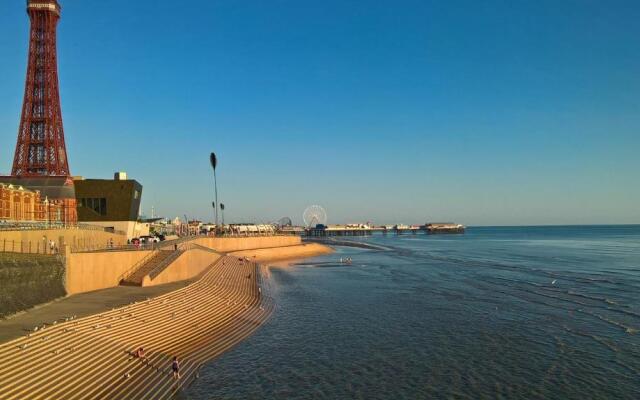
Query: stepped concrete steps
[194, 363]
[90, 322]
[82, 305]
[135, 279]
[157, 387]
[149, 383]
[156, 344]
[213, 313]
[166, 364]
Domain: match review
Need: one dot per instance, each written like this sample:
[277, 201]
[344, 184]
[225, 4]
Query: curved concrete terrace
[88, 358]
[81, 305]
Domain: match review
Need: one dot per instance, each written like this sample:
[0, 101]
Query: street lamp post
[222, 209]
[186, 221]
[214, 163]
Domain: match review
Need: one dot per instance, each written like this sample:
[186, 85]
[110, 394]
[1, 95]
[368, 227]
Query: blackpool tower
[40, 150]
[40, 160]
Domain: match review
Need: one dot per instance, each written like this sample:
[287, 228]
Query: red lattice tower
[40, 150]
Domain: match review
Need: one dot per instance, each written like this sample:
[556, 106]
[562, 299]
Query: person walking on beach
[175, 367]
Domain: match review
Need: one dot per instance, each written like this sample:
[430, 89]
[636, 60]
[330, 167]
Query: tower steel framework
[40, 150]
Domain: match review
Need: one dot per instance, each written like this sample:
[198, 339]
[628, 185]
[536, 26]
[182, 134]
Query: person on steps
[175, 367]
[140, 354]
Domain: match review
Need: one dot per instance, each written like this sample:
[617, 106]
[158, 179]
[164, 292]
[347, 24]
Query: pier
[367, 230]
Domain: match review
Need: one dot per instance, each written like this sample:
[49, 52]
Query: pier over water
[321, 230]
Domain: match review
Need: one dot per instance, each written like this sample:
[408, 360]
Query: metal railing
[167, 261]
[126, 274]
[107, 247]
[41, 226]
[27, 247]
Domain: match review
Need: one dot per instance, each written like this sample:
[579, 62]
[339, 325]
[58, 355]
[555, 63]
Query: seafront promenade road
[89, 358]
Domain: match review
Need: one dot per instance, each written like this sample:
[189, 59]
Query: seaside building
[111, 203]
[20, 205]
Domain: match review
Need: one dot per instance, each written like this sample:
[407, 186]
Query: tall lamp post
[214, 163]
[213, 204]
[186, 221]
[222, 209]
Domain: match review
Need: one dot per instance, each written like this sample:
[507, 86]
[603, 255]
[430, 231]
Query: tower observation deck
[40, 149]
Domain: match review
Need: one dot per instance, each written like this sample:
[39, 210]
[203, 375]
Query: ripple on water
[466, 317]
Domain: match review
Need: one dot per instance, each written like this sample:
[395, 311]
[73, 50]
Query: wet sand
[284, 253]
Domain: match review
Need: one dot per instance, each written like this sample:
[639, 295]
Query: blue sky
[480, 112]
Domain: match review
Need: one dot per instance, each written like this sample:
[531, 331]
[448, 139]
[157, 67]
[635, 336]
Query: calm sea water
[473, 316]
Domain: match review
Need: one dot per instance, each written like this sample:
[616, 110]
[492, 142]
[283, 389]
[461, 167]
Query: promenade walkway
[81, 305]
[89, 358]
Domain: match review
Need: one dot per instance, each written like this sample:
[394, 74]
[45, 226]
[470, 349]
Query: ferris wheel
[314, 215]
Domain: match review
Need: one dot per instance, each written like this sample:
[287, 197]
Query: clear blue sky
[481, 112]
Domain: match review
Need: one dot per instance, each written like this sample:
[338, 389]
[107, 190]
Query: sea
[494, 313]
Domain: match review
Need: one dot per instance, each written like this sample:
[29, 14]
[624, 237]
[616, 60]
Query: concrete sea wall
[27, 280]
[103, 269]
[188, 265]
[99, 270]
[30, 279]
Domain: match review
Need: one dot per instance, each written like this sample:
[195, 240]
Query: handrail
[166, 261]
[201, 247]
[137, 265]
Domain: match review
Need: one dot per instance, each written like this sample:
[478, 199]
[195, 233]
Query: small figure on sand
[175, 367]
